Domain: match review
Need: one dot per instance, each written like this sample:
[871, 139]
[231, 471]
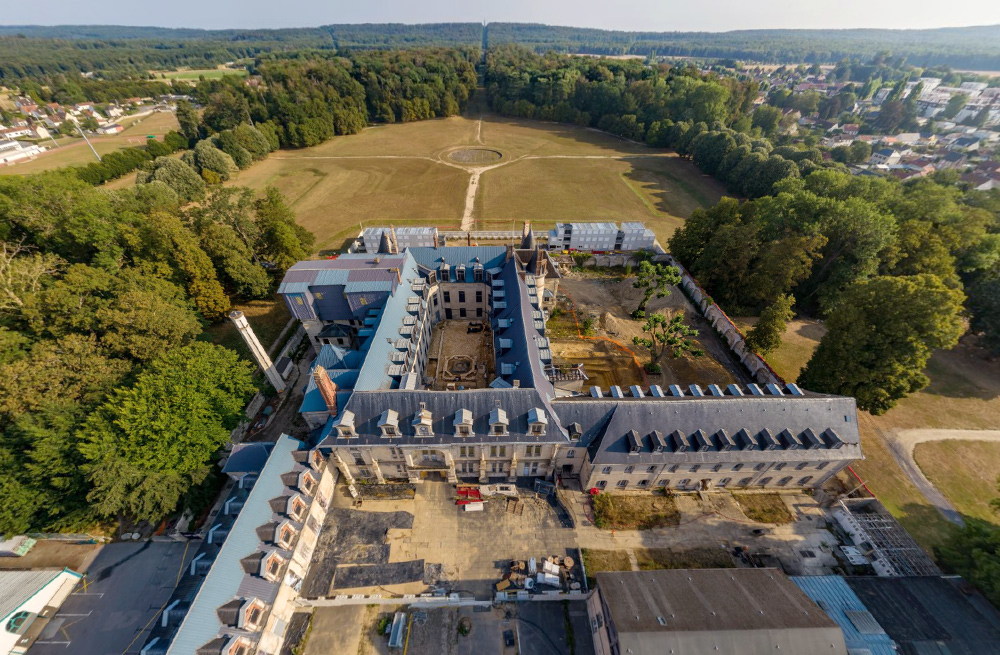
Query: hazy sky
[653, 15]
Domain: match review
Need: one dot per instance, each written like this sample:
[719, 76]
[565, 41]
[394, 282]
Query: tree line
[893, 268]
[111, 404]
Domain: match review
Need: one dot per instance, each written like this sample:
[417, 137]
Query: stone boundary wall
[430, 600]
[758, 368]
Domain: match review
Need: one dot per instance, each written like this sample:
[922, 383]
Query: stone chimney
[526, 230]
[510, 252]
[327, 388]
[541, 263]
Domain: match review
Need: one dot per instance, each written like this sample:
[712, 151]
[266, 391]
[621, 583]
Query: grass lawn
[797, 345]
[966, 471]
[764, 508]
[596, 561]
[267, 318]
[635, 512]
[652, 559]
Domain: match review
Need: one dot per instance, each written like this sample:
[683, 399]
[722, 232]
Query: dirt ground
[451, 340]
[464, 552]
[610, 299]
[55, 554]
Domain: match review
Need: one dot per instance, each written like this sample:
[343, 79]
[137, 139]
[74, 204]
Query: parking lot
[111, 610]
[527, 628]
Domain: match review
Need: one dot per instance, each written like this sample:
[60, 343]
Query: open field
[966, 472]
[74, 151]
[546, 172]
[194, 74]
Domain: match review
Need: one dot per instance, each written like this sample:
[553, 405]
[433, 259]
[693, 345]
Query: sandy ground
[902, 444]
[452, 339]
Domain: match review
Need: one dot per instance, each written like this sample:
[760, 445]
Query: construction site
[461, 355]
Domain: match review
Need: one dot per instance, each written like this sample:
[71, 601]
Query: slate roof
[248, 458]
[609, 420]
[838, 600]
[931, 615]
[523, 353]
[201, 623]
[431, 258]
[368, 406]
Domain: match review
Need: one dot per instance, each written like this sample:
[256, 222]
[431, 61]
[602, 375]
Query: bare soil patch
[49, 554]
[609, 298]
[635, 512]
[651, 559]
[475, 156]
[764, 508]
[460, 358]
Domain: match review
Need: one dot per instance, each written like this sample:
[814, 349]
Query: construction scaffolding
[882, 539]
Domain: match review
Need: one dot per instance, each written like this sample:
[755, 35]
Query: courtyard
[461, 355]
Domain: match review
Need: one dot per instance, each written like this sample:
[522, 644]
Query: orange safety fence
[617, 344]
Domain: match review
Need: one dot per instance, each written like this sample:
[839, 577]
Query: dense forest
[105, 295]
[39, 51]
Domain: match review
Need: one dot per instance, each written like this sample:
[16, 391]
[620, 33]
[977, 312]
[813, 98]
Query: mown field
[548, 172]
[73, 151]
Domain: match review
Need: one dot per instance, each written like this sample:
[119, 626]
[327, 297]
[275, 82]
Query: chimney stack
[541, 263]
[393, 244]
[510, 252]
[327, 388]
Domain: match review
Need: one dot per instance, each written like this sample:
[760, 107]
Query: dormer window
[460, 273]
[498, 422]
[251, 615]
[271, 569]
[537, 421]
[317, 459]
[423, 422]
[575, 431]
[345, 425]
[463, 423]
[307, 483]
[297, 508]
[285, 535]
[388, 423]
[432, 277]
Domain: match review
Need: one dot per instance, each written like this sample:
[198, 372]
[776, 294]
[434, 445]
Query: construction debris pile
[546, 575]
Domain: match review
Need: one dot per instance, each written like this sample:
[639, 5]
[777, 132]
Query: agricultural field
[73, 151]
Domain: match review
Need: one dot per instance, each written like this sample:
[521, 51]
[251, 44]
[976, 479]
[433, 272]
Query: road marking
[55, 643]
[87, 593]
[87, 614]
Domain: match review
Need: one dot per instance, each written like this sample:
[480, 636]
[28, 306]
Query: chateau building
[380, 415]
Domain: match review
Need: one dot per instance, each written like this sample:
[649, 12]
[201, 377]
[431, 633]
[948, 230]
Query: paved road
[902, 444]
[126, 587]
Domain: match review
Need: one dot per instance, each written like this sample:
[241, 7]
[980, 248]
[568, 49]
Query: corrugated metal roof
[17, 587]
[839, 602]
[201, 623]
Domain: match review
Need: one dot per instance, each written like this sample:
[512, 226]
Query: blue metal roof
[329, 278]
[836, 598]
[293, 287]
[374, 372]
[201, 623]
[365, 286]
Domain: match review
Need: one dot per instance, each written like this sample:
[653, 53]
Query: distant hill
[960, 47]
